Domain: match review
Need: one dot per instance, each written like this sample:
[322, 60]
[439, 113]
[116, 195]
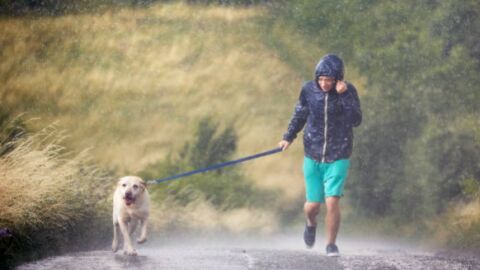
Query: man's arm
[297, 122]
[350, 102]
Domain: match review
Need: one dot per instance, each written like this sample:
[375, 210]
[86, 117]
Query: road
[260, 253]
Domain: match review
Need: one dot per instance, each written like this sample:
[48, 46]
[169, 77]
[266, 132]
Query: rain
[91, 91]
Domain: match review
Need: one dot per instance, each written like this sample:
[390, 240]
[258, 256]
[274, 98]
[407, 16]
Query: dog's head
[131, 187]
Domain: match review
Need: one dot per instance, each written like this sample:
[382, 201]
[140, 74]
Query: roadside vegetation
[51, 198]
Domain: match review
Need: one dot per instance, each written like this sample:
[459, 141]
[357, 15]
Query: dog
[131, 206]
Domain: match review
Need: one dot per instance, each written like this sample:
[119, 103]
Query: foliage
[458, 227]
[62, 7]
[228, 2]
[454, 157]
[11, 129]
[50, 199]
[225, 188]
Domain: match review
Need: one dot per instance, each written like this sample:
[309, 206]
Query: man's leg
[335, 177]
[311, 210]
[333, 218]
[314, 190]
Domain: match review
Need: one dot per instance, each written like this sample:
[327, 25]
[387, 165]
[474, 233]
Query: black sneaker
[309, 235]
[332, 250]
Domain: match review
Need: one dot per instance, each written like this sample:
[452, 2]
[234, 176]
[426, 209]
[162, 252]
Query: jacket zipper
[325, 128]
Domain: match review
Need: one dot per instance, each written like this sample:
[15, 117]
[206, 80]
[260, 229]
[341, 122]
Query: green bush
[60, 7]
[229, 2]
[225, 188]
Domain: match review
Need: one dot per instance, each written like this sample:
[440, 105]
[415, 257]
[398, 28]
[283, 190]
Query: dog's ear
[144, 184]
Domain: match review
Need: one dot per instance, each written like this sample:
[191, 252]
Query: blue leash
[217, 166]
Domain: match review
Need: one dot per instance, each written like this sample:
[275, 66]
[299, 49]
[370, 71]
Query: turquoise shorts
[324, 179]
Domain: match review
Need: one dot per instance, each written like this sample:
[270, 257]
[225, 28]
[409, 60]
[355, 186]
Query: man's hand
[341, 87]
[284, 144]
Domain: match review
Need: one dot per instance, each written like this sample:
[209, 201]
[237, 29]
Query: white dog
[130, 207]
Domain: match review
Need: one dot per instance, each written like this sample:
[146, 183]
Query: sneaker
[332, 250]
[309, 235]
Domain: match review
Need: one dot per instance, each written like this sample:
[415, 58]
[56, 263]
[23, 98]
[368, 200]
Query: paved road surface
[271, 253]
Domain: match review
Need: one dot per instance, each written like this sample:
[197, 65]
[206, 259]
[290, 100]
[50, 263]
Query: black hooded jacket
[329, 116]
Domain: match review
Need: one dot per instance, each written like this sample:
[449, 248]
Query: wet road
[278, 253]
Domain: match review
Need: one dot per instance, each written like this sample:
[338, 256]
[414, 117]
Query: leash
[217, 166]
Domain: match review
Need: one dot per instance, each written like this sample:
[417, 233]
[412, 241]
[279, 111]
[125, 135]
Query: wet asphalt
[260, 253]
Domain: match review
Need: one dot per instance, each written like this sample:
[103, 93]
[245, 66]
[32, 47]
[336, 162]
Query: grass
[136, 80]
[50, 198]
[459, 227]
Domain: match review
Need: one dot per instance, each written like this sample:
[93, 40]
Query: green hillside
[130, 84]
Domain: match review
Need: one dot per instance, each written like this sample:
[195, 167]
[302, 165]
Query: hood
[330, 65]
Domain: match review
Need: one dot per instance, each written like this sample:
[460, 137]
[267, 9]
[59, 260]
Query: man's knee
[333, 203]
[311, 207]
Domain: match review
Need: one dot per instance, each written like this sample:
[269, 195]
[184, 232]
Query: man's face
[326, 83]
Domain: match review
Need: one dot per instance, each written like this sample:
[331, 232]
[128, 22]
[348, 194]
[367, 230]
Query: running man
[330, 108]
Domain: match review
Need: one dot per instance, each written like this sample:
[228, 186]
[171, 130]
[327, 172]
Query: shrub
[50, 198]
[226, 188]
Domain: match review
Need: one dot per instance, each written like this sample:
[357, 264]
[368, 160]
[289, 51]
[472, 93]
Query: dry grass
[459, 227]
[42, 187]
[131, 84]
[50, 199]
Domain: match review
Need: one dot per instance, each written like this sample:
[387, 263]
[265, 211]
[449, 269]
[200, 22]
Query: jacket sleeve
[299, 118]
[351, 105]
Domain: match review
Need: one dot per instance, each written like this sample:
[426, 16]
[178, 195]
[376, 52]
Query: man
[330, 108]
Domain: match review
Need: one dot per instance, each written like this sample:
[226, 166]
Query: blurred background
[94, 90]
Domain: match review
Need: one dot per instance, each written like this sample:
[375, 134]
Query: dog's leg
[115, 237]
[132, 225]
[127, 242]
[143, 235]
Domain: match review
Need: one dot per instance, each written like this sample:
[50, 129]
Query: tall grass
[459, 227]
[136, 80]
[50, 198]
